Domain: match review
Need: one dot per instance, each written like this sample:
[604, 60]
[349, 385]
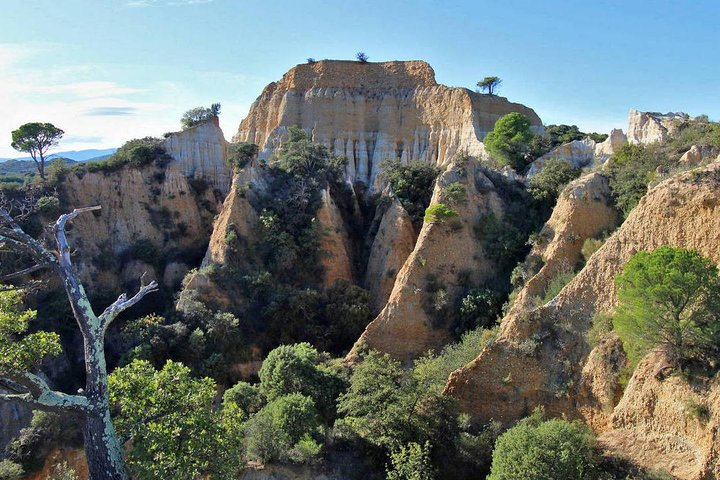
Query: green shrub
[545, 187]
[556, 284]
[454, 193]
[600, 328]
[240, 154]
[411, 462]
[196, 116]
[281, 425]
[509, 140]
[438, 213]
[10, 470]
[629, 171]
[479, 309]
[136, 153]
[699, 411]
[552, 449]
[670, 297]
[590, 246]
[411, 183]
[144, 250]
[246, 396]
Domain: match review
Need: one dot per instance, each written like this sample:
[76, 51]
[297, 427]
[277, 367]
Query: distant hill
[20, 168]
[93, 154]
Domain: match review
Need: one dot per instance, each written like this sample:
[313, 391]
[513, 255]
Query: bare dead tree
[102, 447]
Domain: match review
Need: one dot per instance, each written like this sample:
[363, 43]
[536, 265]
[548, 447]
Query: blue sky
[109, 70]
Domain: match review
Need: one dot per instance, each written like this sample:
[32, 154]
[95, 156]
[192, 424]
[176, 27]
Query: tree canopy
[670, 297]
[36, 139]
[489, 84]
[509, 139]
[198, 115]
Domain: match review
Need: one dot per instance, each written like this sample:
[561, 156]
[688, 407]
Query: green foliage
[240, 154]
[63, 472]
[411, 462]
[169, 418]
[479, 309]
[556, 284]
[698, 131]
[196, 116]
[560, 134]
[525, 270]
[286, 423]
[489, 84]
[144, 250]
[630, 171]
[509, 140]
[10, 470]
[302, 158]
[600, 328]
[300, 368]
[590, 246]
[670, 297]
[545, 450]
[36, 138]
[136, 153]
[411, 183]
[435, 369]
[246, 396]
[20, 351]
[47, 431]
[438, 213]
[545, 187]
[499, 239]
[699, 411]
[454, 193]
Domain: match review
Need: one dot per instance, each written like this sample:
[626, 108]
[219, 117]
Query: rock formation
[335, 245]
[14, 418]
[392, 245]
[373, 111]
[447, 256]
[200, 153]
[652, 127]
[539, 355]
[583, 210]
[584, 153]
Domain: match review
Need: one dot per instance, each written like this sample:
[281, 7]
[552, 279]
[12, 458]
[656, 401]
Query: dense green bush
[630, 170]
[438, 213]
[246, 396]
[545, 187]
[670, 297]
[136, 153]
[196, 116]
[240, 154]
[508, 141]
[10, 470]
[411, 462]
[479, 309]
[144, 250]
[556, 284]
[280, 426]
[46, 432]
[412, 184]
[545, 450]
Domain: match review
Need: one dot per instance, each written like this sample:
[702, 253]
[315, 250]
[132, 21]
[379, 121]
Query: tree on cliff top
[20, 354]
[36, 139]
[361, 57]
[198, 115]
[489, 84]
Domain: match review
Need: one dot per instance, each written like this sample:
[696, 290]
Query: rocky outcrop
[373, 111]
[14, 418]
[446, 258]
[584, 153]
[200, 152]
[695, 155]
[539, 355]
[392, 245]
[583, 210]
[664, 423]
[652, 127]
[335, 246]
[147, 204]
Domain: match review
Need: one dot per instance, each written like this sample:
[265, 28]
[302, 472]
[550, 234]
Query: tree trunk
[102, 448]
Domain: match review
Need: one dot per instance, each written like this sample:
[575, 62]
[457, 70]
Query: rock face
[14, 418]
[373, 111]
[657, 424]
[583, 211]
[446, 257]
[652, 127]
[137, 204]
[335, 245]
[695, 155]
[605, 150]
[200, 153]
[393, 244]
[539, 356]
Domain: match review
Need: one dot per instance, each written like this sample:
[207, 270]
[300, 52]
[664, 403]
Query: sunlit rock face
[373, 111]
[652, 127]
